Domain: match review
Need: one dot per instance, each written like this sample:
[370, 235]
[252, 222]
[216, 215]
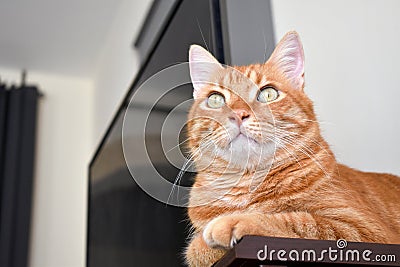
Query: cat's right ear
[288, 56]
[202, 66]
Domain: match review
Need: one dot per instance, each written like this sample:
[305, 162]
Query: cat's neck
[300, 171]
[285, 176]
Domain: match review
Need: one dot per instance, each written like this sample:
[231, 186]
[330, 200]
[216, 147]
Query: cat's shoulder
[355, 175]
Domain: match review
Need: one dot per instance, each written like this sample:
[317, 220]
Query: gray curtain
[18, 109]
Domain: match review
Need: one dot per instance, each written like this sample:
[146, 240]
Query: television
[127, 224]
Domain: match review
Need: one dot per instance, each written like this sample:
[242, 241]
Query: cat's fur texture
[305, 193]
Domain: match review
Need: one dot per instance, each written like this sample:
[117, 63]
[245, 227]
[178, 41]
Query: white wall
[118, 63]
[64, 147]
[352, 74]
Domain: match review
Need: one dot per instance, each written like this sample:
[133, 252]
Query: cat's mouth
[243, 138]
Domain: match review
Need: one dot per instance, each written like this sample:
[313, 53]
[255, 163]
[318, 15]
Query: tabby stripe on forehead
[260, 79]
[246, 72]
[225, 79]
[234, 77]
[253, 75]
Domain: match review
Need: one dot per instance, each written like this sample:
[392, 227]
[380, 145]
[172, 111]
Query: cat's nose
[239, 116]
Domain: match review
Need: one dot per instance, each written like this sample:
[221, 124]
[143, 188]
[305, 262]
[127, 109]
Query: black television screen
[126, 226]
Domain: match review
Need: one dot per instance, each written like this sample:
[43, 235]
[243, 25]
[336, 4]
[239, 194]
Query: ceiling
[63, 37]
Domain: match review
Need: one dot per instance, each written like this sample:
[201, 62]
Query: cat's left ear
[288, 57]
[202, 67]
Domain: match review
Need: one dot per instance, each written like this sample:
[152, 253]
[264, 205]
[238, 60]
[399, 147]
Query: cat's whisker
[202, 35]
[297, 140]
[291, 135]
[285, 118]
[299, 118]
[203, 146]
[209, 133]
[178, 145]
[265, 46]
[302, 150]
[292, 155]
[186, 166]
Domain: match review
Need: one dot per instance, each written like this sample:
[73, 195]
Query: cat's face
[242, 116]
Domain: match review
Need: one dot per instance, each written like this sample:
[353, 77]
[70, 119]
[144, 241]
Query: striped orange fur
[264, 168]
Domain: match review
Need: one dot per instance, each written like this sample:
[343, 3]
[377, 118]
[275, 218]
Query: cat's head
[242, 116]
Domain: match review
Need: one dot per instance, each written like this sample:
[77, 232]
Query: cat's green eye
[267, 94]
[216, 100]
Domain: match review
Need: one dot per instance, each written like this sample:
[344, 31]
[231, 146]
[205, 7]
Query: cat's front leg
[199, 254]
[226, 230]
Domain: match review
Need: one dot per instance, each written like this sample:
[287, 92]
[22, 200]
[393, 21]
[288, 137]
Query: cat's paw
[199, 254]
[226, 231]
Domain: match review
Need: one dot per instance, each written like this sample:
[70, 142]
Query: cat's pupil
[267, 94]
[216, 100]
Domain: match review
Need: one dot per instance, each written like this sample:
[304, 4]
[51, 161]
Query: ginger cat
[263, 166]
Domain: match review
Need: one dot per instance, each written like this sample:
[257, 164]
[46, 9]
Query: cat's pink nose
[239, 116]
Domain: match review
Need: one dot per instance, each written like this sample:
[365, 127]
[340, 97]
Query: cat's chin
[243, 140]
[244, 152]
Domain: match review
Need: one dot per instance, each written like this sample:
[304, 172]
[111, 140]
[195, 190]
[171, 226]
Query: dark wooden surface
[327, 253]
